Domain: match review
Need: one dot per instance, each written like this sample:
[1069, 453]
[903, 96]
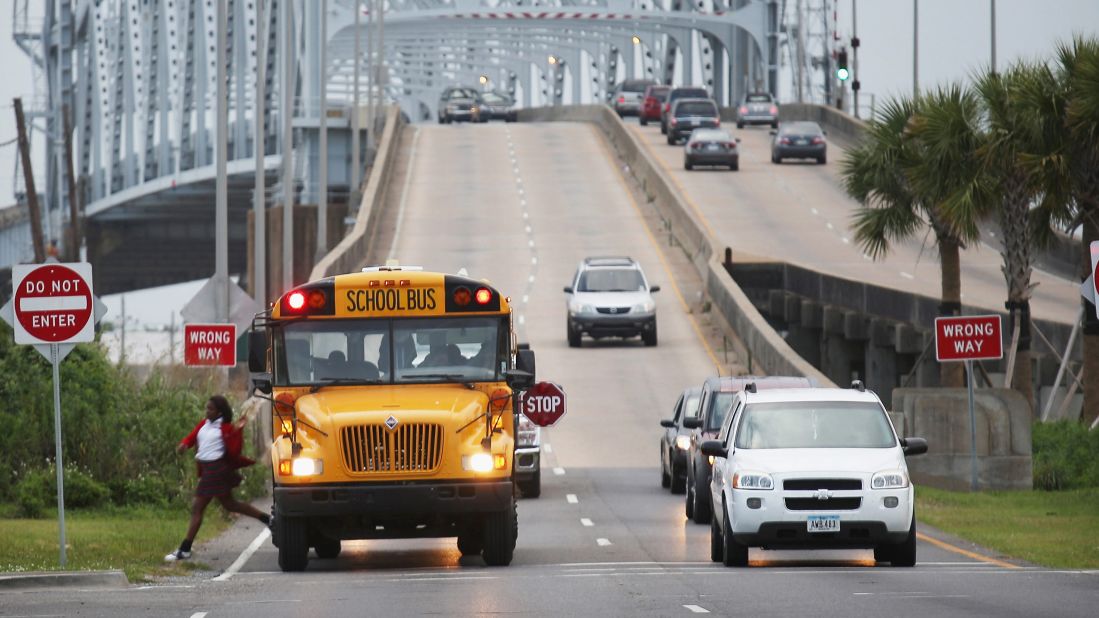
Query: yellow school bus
[393, 414]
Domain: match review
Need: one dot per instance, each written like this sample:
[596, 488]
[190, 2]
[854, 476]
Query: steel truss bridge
[138, 81]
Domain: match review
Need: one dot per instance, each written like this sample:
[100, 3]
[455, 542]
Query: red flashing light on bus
[296, 300]
[484, 295]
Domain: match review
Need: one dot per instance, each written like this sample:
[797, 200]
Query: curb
[63, 579]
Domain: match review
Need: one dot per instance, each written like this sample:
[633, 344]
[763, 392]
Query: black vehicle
[798, 140]
[683, 92]
[675, 441]
[687, 115]
[711, 147]
[457, 103]
[718, 394]
[495, 106]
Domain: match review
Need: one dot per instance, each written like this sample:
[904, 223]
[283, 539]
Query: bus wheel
[471, 540]
[501, 530]
[293, 543]
[327, 548]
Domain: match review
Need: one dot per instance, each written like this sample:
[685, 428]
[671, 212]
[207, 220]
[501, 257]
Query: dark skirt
[216, 478]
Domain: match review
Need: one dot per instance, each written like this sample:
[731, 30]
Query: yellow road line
[682, 192]
[965, 552]
[659, 252]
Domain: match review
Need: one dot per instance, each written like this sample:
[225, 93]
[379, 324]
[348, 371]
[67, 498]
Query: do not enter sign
[53, 303]
[543, 403]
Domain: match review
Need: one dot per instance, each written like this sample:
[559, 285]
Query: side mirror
[667, 422]
[692, 423]
[914, 446]
[773, 131]
[823, 132]
[738, 140]
[524, 360]
[518, 380]
[257, 351]
[262, 382]
[655, 288]
[568, 289]
[714, 448]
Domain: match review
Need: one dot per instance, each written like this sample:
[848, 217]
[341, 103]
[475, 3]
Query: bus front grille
[372, 449]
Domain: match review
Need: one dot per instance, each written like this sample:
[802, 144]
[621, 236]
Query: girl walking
[217, 441]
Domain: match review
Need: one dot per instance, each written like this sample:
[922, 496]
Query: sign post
[52, 308]
[969, 338]
[543, 403]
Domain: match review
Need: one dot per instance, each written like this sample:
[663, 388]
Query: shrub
[38, 488]
[1066, 456]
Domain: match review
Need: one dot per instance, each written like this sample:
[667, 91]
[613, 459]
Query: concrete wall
[941, 415]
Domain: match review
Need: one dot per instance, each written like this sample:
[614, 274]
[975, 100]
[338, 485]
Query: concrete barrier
[768, 350]
[353, 249]
[941, 415]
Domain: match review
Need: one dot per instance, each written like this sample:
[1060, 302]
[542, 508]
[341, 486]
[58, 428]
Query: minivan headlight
[753, 480]
[645, 307]
[581, 309]
[889, 479]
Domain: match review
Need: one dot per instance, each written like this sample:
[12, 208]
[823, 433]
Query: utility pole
[915, 48]
[369, 74]
[28, 181]
[855, 53]
[288, 44]
[73, 242]
[353, 198]
[259, 202]
[221, 183]
[322, 199]
[993, 23]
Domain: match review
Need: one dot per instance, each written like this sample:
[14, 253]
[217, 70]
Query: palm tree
[912, 169]
[1063, 155]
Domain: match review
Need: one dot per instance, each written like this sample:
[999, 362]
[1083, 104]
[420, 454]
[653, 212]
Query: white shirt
[211, 446]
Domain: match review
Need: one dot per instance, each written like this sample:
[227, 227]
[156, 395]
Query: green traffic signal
[842, 73]
[841, 65]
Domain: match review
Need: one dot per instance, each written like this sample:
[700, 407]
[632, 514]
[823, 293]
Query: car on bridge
[717, 399]
[457, 103]
[676, 439]
[757, 108]
[652, 102]
[495, 106]
[811, 468]
[687, 115]
[799, 140]
[682, 92]
[627, 95]
[610, 297]
[715, 147]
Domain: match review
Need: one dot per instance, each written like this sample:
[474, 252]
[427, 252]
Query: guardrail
[352, 251]
[767, 348]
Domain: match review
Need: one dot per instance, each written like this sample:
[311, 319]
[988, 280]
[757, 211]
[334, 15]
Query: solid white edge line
[697, 609]
[404, 194]
[244, 555]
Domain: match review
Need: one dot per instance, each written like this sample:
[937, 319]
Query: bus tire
[293, 543]
[326, 548]
[501, 530]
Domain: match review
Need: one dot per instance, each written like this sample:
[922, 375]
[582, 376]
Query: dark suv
[690, 114]
[683, 92]
[718, 394]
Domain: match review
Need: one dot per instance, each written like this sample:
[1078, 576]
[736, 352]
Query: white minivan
[818, 468]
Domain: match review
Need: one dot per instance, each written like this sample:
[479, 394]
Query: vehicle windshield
[814, 424]
[461, 93]
[688, 93]
[492, 97]
[611, 280]
[696, 108]
[801, 128]
[391, 351]
[720, 406]
[758, 98]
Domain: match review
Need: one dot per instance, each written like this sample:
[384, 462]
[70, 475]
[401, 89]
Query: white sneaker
[178, 554]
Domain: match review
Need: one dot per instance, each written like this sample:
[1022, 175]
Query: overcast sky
[954, 41]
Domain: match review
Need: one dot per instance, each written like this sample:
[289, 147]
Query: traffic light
[842, 72]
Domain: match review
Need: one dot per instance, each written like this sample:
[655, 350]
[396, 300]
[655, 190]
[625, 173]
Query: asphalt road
[521, 205]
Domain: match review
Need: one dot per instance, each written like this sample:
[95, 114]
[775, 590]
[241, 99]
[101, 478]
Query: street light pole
[915, 48]
[355, 113]
[221, 183]
[288, 44]
[259, 202]
[322, 198]
[993, 22]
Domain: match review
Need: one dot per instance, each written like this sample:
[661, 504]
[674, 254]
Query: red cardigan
[234, 441]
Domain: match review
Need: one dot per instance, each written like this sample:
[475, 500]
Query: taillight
[621, 99]
[673, 121]
[785, 140]
[774, 110]
[730, 145]
[717, 123]
[667, 107]
[744, 109]
[818, 140]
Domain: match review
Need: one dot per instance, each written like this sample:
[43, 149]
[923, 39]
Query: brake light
[774, 110]
[717, 123]
[667, 107]
[296, 300]
[818, 140]
[483, 296]
[621, 99]
[744, 109]
[730, 145]
[785, 140]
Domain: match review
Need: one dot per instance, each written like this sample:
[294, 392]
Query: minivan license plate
[824, 523]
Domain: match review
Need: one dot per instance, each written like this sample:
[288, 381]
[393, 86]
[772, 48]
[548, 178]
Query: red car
[651, 102]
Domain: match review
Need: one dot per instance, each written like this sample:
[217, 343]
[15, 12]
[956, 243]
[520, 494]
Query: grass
[1051, 528]
[131, 539]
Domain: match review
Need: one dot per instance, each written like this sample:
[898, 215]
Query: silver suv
[610, 297]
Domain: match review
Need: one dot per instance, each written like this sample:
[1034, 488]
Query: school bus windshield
[391, 351]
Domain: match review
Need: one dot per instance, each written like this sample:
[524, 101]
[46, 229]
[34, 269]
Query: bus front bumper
[393, 498]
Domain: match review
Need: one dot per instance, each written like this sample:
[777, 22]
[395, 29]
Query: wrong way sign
[968, 338]
[53, 303]
[210, 344]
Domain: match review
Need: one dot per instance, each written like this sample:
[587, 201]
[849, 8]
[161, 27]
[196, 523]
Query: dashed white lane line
[244, 555]
[829, 226]
[571, 499]
[603, 542]
[815, 211]
[198, 615]
[559, 471]
[587, 523]
[906, 275]
[697, 609]
[547, 447]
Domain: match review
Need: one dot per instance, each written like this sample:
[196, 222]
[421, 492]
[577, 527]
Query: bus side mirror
[524, 360]
[518, 380]
[262, 383]
[257, 351]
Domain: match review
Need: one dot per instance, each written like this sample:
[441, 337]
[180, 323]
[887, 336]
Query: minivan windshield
[610, 280]
[814, 424]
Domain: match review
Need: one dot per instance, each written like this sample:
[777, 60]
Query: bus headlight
[483, 462]
[301, 466]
